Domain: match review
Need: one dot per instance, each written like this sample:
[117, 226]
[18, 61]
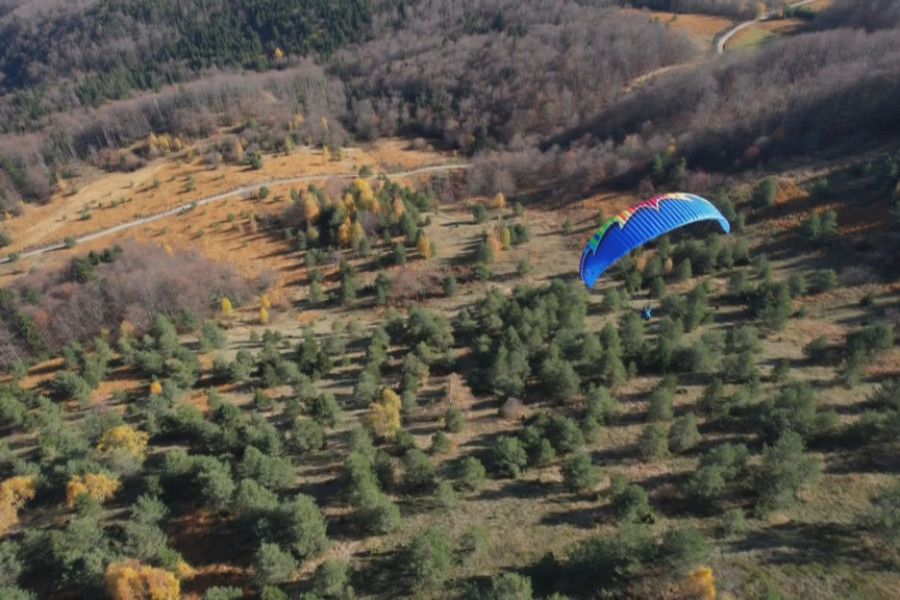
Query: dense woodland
[452, 426]
[509, 82]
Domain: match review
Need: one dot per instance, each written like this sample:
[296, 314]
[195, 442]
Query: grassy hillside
[524, 426]
[251, 346]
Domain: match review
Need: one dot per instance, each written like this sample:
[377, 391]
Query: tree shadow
[522, 489]
[796, 543]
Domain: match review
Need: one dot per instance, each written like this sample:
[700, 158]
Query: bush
[660, 408]
[785, 470]
[375, 513]
[732, 523]
[683, 550]
[418, 471]
[823, 280]
[454, 420]
[654, 442]
[427, 561]
[470, 474]
[631, 504]
[440, 443]
[509, 586]
[683, 434]
[272, 565]
[579, 473]
[764, 192]
[332, 580]
[509, 457]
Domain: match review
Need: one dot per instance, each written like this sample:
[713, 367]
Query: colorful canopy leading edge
[641, 223]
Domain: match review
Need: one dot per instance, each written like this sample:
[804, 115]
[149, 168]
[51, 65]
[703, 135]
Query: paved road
[720, 44]
[720, 49]
[244, 189]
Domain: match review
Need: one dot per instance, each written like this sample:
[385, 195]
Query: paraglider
[646, 312]
[639, 224]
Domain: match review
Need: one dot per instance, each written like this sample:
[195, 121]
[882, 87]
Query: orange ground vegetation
[113, 198]
[221, 230]
[707, 25]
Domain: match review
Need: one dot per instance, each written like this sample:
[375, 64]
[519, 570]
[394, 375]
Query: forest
[407, 391]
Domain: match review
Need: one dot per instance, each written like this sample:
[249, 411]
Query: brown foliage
[143, 282]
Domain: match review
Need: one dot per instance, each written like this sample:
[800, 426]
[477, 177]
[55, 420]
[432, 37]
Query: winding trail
[244, 189]
[720, 43]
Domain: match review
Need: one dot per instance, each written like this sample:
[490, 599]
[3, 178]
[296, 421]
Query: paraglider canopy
[639, 224]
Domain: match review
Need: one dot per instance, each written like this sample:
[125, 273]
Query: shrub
[418, 471]
[764, 192]
[509, 457]
[454, 420]
[785, 470]
[631, 504]
[654, 442]
[509, 586]
[427, 561]
[332, 580]
[470, 474]
[272, 565]
[683, 434]
[579, 473]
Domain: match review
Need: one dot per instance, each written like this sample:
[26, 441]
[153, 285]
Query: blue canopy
[641, 223]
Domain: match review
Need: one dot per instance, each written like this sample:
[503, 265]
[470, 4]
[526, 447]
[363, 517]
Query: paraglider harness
[646, 312]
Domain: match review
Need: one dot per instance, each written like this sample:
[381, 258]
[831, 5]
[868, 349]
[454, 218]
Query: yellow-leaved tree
[326, 153]
[363, 192]
[349, 204]
[424, 247]
[505, 238]
[493, 240]
[384, 414]
[130, 580]
[226, 305]
[311, 208]
[398, 208]
[345, 233]
[358, 233]
[265, 302]
[14, 492]
[123, 438]
[238, 151]
[263, 315]
[499, 200]
[699, 584]
[98, 486]
[126, 330]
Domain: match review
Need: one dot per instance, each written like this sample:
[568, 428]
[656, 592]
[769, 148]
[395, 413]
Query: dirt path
[244, 189]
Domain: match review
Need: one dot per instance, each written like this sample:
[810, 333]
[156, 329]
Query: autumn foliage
[699, 584]
[384, 414]
[130, 580]
[125, 438]
[14, 492]
[98, 486]
[424, 247]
